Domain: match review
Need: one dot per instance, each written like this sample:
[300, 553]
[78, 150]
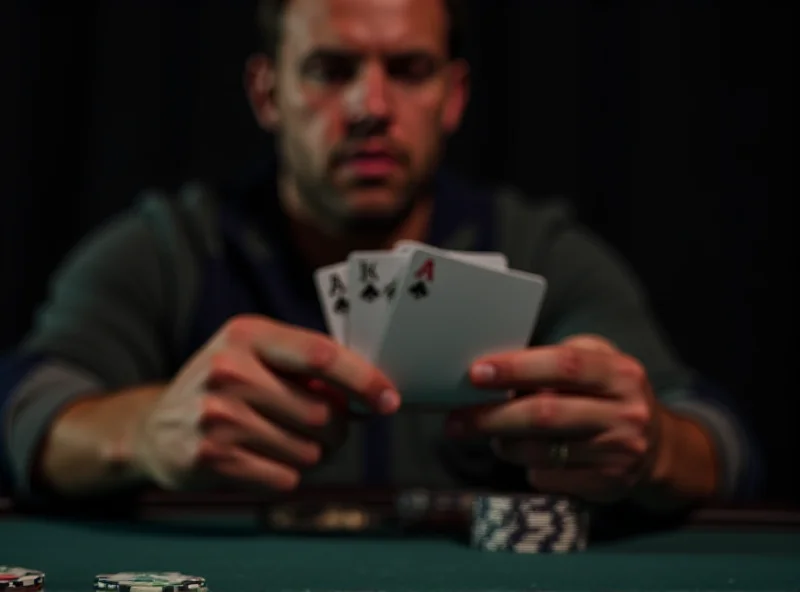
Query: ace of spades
[447, 313]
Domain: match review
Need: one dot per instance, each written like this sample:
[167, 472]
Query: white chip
[143, 581]
[20, 576]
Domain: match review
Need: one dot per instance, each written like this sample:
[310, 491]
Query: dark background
[653, 116]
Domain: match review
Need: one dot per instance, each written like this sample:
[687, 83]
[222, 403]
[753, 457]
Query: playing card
[331, 282]
[494, 260]
[372, 276]
[448, 312]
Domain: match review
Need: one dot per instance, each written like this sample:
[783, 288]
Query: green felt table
[235, 555]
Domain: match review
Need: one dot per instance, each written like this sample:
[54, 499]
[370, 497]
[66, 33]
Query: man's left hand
[584, 420]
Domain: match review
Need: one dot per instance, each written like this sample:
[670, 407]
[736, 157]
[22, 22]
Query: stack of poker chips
[527, 523]
[20, 579]
[139, 581]
[419, 505]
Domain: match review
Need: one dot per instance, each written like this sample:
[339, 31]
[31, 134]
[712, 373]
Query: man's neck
[319, 247]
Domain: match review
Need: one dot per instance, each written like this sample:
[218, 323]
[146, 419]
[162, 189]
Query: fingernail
[484, 372]
[388, 401]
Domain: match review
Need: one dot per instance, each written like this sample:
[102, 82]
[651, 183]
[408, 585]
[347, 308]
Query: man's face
[363, 96]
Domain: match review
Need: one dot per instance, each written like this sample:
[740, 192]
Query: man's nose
[369, 94]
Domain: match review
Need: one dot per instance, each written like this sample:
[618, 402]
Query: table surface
[236, 555]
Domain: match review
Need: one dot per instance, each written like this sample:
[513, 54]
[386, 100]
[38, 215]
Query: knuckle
[313, 404]
[544, 411]
[320, 352]
[224, 364]
[215, 410]
[590, 341]
[211, 408]
[631, 370]
[239, 328]
[638, 447]
[570, 362]
[310, 453]
[638, 414]
[316, 414]
[286, 480]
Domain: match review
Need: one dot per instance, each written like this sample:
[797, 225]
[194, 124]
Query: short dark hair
[270, 15]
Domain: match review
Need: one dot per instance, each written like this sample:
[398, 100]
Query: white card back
[470, 310]
[493, 260]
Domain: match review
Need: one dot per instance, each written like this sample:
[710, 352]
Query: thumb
[591, 343]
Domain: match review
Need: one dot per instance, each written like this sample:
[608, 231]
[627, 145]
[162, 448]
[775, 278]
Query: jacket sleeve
[109, 322]
[592, 291]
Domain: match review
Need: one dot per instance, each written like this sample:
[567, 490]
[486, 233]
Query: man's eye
[331, 69]
[412, 69]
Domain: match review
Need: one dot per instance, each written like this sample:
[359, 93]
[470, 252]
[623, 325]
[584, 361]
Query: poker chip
[411, 505]
[20, 579]
[315, 517]
[163, 581]
[528, 524]
[433, 506]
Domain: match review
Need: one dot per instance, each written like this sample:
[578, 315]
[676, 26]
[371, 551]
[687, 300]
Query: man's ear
[260, 83]
[457, 97]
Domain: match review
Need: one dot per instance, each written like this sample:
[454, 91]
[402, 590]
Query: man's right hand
[261, 402]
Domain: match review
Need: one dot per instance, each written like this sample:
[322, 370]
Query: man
[183, 345]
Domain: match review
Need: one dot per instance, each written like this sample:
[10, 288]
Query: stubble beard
[330, 207]
[327, 205]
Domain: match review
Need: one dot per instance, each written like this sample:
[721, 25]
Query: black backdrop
[652, 115]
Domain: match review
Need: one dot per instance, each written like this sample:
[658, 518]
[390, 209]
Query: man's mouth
[371, 163]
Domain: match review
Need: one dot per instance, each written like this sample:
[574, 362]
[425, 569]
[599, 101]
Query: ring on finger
[558, 454]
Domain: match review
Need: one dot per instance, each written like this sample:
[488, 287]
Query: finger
[541, 414]
[562, 368]
[538, 454]
[591, 343]
[242, 465]
[236, 371]
[322, 390]
[330, 426]
[331, 432]
[326, 425]
[299, 351]
[231, 422]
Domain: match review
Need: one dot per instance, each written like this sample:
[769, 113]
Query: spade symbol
[418, 290]
[390, 290]
[370, 293]
[341, 306]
